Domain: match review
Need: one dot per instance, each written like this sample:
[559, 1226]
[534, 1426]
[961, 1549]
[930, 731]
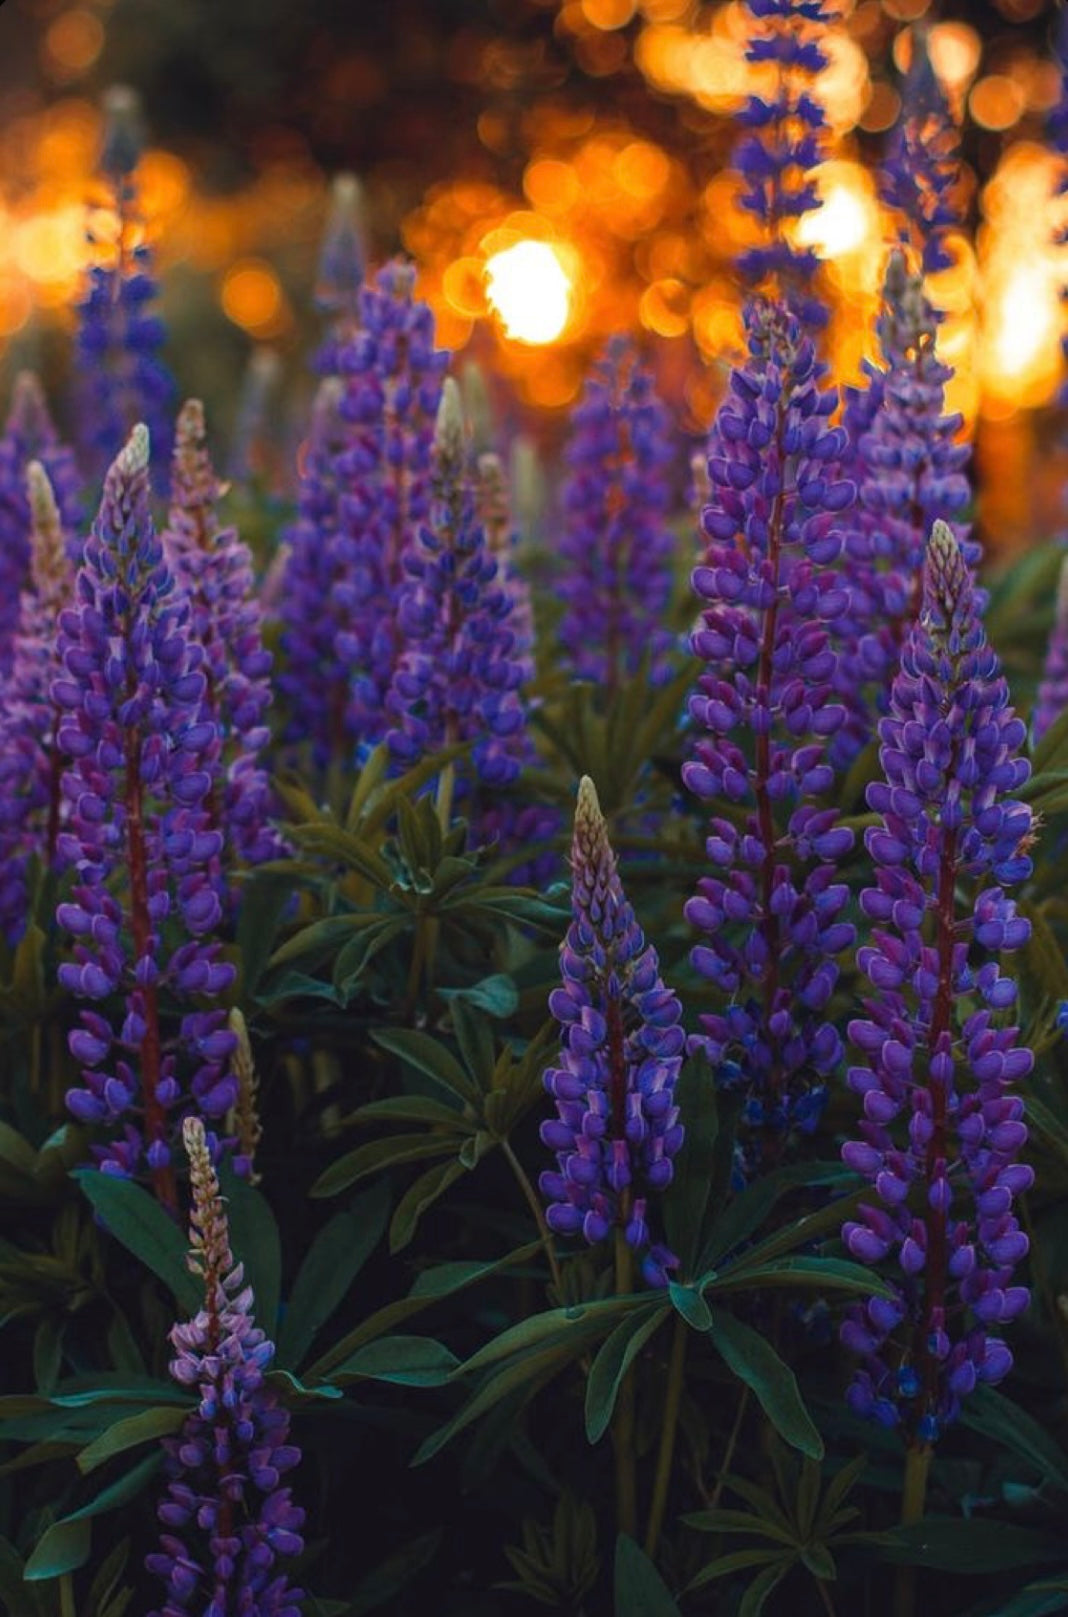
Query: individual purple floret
[342, 266]
[460, 671]
[30, 763]
[910, 467]
[764, 714]
[120, 377]
[142, 763]
[922, 164]
[616, 548]
[621, 1044]
[214, 568]
[228, 1520]
[1052, 697]
[942, 1131]
[364, 491]
[29, 435]
[785, 144]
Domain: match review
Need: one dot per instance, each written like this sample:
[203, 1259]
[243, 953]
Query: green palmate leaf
[414, 1109]
[797, 1232]
[579, 1324]
[496, 995]
[321, 941]
[690, 1303]
[474, 1035]
[997, 1417]
[150, 1425]
[430, 1057]
[390, 1577]
[65, 1545]
[418, 1197]
[526, 1373]
[296, 985]
[686, 1200]
[337, 1255]
[256, 1245]
[952, 1544]
[748, 1211]
[381, 1154]
[382, 808]
[755, 1362]
[330, 841]
[137, 1220]
[737, 1561]
[433, 1285]
[640, 1591]
[409, 1361]
[614, 1358]
[351, 965]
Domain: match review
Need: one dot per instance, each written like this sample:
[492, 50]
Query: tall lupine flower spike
[364, 491]
[227, 1519]
[617, 1127]
[142, 763]
[785, 144]
[244, 1120]
[342, 266]
[460, 672]
[763, 712]
[28, 435]
[1052, 698]
[616, 548]
[30, 763]
[910, 467]
[254, 449]
[120, 377]
[942, 1130]
[922, 164]
[215, 569]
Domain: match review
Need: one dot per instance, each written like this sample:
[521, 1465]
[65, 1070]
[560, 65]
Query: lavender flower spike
[30, 763]
[28, 435]
[227, 1519]
[215, 569]
[787, 141]
[772, 912]
[616, 546]
[1052, 698]
[617, 1127]
[142, 763]
[342, 266]
[942, 1130]
[922, 164]
[459, 675]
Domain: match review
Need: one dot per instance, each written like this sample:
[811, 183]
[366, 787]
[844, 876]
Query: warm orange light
[72, 43]
[664, 308]
[551, 186]
[50, 248]
[849, 219]
[530, 291]
[251, 296]
[996, 102]
[608, 13]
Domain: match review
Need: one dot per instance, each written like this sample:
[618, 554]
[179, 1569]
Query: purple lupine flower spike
[30, 763]
[942, 1130]
[342, 266]
[459, 675]
[494, 513]
[215, 569]
[121, 379]
[617, 1127]
[764, 714]
[228, 1520]
[616, 548]
[29, 435]
[1052, 697]
[909, 467]
[786, 143]
[142, 763]
[922, 164]
[254, 449]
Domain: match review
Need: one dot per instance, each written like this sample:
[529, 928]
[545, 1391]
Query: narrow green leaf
[954, 1544]
[690, 1303]
[997, 1417]
[417, 1198]
[763, 1585]
[577, 1323]
[337, 1255]
[737, 1561]
[496, 995]
[128, 1433]
[640, 1591]
[390, 1577]
[409, 1361]
[834, 1274]
[256, 1244]
[748, 1211]
[378, 1155]
[614, 1358]
[527, 1371]
[755, 1361]
[430, 1057]
[686, 1200]
[66, 1544]
[139, 1223]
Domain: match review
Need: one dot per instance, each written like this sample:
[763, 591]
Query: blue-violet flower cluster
[942, 1130]
[922, 164]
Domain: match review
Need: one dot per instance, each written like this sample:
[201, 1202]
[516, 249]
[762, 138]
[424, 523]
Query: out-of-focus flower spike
[493, 512]
[30, 764]
[244, 1120]
[227, 1519]
[215, 569]
[119, 375]
[922, 165]
[1052, 697]
[617, 1127]
[529, 490]
[942, 1130]
[342, 268]
[29, 435]
[254, 450]
[478, 407]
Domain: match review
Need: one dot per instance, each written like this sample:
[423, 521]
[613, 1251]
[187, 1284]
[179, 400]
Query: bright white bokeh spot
[529, 290]
[847, 219]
